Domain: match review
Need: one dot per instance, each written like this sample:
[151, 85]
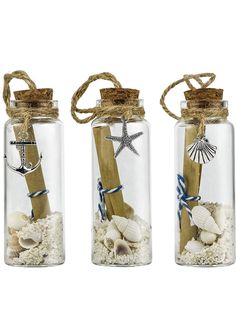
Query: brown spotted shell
[13, 246]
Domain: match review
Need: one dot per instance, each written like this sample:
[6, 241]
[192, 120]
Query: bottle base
[35, 266]
[122, 265]
[205, 265]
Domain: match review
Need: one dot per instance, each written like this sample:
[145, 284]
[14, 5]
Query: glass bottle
[205, 182]
[34, 184]
[121, 189]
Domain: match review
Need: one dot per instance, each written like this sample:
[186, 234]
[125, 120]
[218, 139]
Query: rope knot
[128, 113]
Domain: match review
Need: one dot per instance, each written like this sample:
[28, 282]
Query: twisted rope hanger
[186, 78]
[24, 113]
[127, 111]
[22, 75]
[194, 112]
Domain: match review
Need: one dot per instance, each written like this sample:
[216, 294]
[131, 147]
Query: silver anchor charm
[25, 167]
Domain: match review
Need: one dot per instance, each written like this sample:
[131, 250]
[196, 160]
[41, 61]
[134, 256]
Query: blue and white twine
[38, 193]
[183, 198]
[102, 191]
[35, 194]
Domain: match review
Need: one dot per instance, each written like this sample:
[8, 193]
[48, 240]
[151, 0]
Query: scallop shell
[207, 238]
[220, 218]
[121, 248]
[111, 236]
[30, 236]
[201, 151]
[129, 228]
[194, 246]
[202, 218]
[17, 220]
[13, 248]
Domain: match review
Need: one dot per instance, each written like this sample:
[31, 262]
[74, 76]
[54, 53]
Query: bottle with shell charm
[33, 177]
[204, 157]
[121, 197]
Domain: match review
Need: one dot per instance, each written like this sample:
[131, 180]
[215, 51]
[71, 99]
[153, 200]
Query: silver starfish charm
[125, 140]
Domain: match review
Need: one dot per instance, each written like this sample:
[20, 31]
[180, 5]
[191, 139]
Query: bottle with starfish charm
[121, 225]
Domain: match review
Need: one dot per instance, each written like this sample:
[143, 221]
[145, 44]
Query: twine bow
[24, 113]
[194, 112]
[102, 191]
[126, 111]
[184, 198]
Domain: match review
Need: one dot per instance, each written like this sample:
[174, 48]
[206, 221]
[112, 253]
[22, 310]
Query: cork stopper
[119, 95]
[42, 94]
[204, 94]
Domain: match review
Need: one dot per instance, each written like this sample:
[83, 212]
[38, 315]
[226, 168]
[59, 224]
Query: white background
[147, 45]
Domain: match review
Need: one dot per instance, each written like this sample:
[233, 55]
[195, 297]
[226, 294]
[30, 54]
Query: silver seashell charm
[201, 151]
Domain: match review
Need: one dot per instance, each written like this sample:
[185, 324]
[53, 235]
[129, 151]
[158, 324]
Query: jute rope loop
[22, 75]
[25, 113]
[127, 111]
[194, 112]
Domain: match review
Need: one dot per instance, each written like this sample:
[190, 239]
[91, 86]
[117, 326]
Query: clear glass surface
[31, 239]
[207, 239]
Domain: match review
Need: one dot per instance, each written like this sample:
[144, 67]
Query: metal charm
[125, 140]
[25, 167]
[201, 151]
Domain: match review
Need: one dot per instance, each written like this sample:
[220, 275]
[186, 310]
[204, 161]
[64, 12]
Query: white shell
[202, 218]
[220, 218]
[129, 228]
[30, 236]
[111, 236]
[112, 232]
[207, 238]
[194, 246]
[201, 151]
[17, 220]
[121, 248]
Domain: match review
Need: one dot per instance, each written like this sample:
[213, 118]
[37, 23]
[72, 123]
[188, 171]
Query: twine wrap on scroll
[198, 110]
[114, 104]
[24, 111]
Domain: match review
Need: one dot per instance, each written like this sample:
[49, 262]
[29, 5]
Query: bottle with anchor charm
[204, 157]
[121, 226]
[33, 176]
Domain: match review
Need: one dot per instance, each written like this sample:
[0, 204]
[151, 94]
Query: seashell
[220, 218]
[201, 151]
[112, 232]
[17, 220]
[207, 238]
[202, 218]
[109, 243]
[194, 246]
[121, 248]
[111, 236]
[30, 236]
[13, 246]
[129, 228]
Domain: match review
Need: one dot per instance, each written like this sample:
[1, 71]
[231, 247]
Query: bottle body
[205, 193]
[121, 193]
[34, 230]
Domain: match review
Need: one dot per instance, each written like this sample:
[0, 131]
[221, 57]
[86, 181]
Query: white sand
[50, 251]
[140, 252]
